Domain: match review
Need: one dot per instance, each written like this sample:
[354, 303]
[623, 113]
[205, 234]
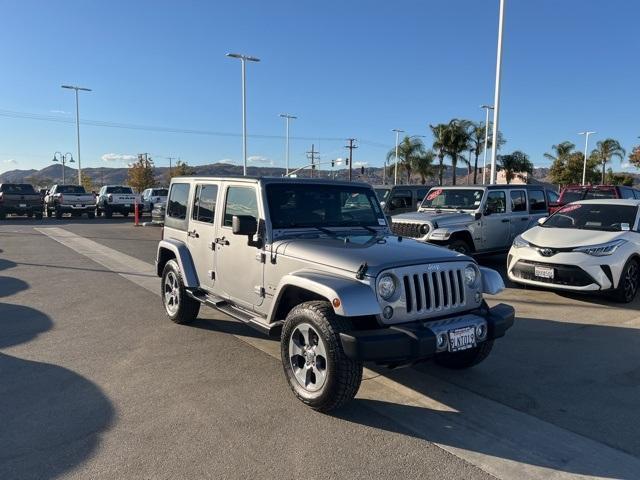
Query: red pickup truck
[573, 193]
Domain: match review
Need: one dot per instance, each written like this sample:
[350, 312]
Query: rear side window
[537, 202]
[240, 201]
[177, 204]
[518, 201]
[553, 196]
[204, 203]
[637, 193]
[626, 193]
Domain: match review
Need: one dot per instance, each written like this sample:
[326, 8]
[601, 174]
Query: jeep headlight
[386, 286]
[471, 275]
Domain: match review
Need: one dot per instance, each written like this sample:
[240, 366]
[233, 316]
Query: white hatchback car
[587, 246]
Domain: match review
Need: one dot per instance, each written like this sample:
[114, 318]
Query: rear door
[202, 230]
[538, 207]
[519, 218]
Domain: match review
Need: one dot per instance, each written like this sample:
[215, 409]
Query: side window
[537, 202]
[637, 193]
[518, 201]
[497, 202]
[626, 193]
[553, 196]
[240, 201]
[204, 203]
[401, 199]
[177, 204]
[420, 194]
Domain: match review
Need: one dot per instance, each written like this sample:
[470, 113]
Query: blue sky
[346, 69]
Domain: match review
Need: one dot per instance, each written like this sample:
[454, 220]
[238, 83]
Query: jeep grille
[429, 291]
[411, 230]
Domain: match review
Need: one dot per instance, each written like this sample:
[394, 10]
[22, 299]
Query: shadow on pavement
[51, 418]
[233, 327]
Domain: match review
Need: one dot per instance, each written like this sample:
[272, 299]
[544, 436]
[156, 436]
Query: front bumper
[411, 342]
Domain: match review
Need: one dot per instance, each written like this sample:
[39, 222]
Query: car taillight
[61, 198]
[110, 197]
[1, 199]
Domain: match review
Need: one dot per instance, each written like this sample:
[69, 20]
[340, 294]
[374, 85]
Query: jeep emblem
[433, 267]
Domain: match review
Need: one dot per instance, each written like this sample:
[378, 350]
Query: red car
[573, 193]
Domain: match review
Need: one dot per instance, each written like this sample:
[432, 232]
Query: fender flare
[182, 256]
[356, 298]
[444, 234]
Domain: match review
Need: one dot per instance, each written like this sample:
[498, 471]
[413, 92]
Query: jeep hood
[379, 252]
[443, 218]
[568, 237]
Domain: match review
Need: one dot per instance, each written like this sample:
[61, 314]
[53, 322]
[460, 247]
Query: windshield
[382, 193]
[21, 188]
[570, 196]
[607, 217]
[454, 198]
[310, 205]
[119, 190]
[70, 189]
[600, 193]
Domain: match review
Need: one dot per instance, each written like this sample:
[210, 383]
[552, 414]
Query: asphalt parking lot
[95, 382]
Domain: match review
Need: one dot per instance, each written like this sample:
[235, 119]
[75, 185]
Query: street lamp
[586, 147]
[63, 160]
[395, 173]
[287, 117]
[496, 98]
[73, 87]
[243, 59]
[486, 141]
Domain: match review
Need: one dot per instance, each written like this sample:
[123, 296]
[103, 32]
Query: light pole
[63, 160]
[496, 98]
[486, 141]
[287, 117]
[243, 60]
[395, 172]
[586, 148]
[73, 87]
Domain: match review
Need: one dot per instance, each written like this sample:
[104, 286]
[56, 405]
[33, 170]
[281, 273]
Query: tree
[568, 169]
[514, 163]
[141, 173]
[634, 157]
[562, 151]
[619, 178]
[476, 141]
[605, 151]
[409, 149]
[180, 169]
[87, 182]
[438, 132]
[423, 165]
[456, 141]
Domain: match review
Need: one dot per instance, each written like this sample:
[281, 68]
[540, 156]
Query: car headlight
[386, 286]
[520, 242]
[471, 275]
[602, 249]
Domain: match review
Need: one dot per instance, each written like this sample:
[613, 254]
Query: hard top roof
[267, 180]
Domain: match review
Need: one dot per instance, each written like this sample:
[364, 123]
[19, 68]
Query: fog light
[442, 340]
[478, 297]
[480, 332]
[387, 312]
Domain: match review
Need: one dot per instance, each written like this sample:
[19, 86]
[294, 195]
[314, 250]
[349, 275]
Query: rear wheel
[3, 214]
[58, 213]
[108, 213]
[466, 358]
[38, 215]
[629, 282]
[91, 215]
[180, 307]
[29, 214]
[125, 214]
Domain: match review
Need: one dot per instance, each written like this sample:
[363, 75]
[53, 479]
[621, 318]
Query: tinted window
[401, 199]
[159, 192]
[177, 204]
[572, 196]
[553, 196]
[518, 201]
[637, 193]
[204, 204]
[537, 202]
[626, 193]
[72, 189]
[240, 201]
[497, 202]
[421, 193]
[119, 190]
[599, 194]
[18, 188]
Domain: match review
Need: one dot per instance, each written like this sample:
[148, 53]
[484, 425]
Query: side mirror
[244, 225]
[478, 216]
[541, 220]
[488, 210]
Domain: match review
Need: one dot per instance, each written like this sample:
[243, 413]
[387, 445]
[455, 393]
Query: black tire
[38, 215]
[108, 213]
[29, 214]
[629, 283]
[91, 215]
[125, 214]
[58, 213]
[343, 375]
[187, 308]
[466, 358]
[460, 246]
[3, 214]
[98, 212]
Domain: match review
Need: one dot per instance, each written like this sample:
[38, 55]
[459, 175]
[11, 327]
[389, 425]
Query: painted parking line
[500, 440]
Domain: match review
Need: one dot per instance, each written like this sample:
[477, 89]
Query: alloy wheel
[171, 293]
[308, 357]
[631, 279]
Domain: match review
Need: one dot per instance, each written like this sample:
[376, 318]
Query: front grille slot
[431, 291]
[407, 293]
[411, 230]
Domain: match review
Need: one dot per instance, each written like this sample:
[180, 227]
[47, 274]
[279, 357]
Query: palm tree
[476, 140]
[408, 151]
[605, 151]
[514, 163]
[562, 151]
[423, 165]
[438, 132]
[456, 140]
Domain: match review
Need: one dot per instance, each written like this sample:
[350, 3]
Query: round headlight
[424, 229]
[386, 287]
[470, 275]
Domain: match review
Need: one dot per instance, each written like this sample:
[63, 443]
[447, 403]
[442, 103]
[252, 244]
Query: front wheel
[629, 282]
[58, 213]
[91, 215]
[125, 214]
[316, 367]
[108, 213]
[460, 246]
[180, 307]
[466, 358]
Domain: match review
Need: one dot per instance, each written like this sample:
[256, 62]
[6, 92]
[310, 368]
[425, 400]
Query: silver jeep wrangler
[315, 264]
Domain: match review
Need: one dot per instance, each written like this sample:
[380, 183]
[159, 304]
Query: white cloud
[60, 111]
[360, 164]
[227, 161]
[9, 161]
[118, 157]
[260, 160]
[625, 165]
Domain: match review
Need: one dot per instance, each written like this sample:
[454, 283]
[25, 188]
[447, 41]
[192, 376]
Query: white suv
[587, 246]
[152, 197]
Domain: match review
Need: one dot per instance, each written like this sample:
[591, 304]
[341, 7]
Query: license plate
[543, 272]
[23, 205]
[77, 205]
[127, 205]
[462, 338]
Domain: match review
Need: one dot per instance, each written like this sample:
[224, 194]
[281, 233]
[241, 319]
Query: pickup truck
[152, 197]
[575, 193]
[116, 199]
[71, 199]
[21, 199]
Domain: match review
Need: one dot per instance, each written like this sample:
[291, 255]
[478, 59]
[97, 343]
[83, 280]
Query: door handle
[505, 220]
[193, 234]
[222, 241]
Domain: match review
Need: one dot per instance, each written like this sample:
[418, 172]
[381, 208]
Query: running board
[248, 318]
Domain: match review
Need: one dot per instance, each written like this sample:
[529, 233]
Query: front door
[239, 266]
[496, 221]
[202, 232]
[519, 213]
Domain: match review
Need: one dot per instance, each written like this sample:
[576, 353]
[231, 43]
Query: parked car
[396, 199]
[153, 196]
[115, 199]
[475, 219]
[157, 214]
[587, 246]
[574, 193]
[19, 199]
[295, 258]
[71, 199]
